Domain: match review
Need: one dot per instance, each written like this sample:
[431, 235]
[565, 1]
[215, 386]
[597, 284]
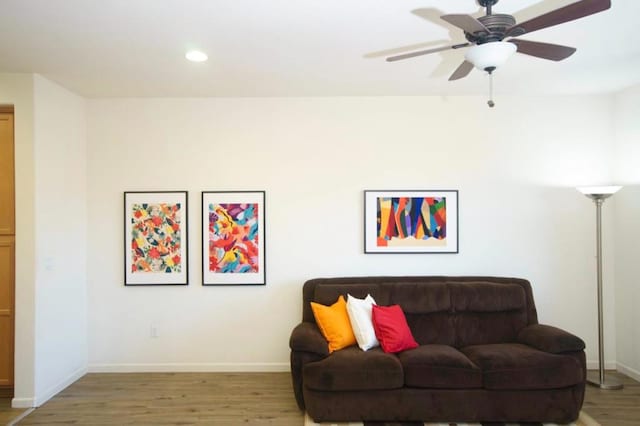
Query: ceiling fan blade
[559, 16]
[554, 52]
[425, 52]
[462, 71]
[466, 22]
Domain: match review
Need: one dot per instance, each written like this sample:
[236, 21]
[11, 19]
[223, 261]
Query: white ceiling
[106, 48]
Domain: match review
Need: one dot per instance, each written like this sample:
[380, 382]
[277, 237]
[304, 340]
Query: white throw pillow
[359, 311]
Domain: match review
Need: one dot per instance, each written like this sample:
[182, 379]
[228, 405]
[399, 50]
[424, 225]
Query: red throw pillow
[392, 329]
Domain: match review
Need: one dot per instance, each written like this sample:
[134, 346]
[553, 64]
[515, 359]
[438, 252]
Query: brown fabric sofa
[483, 357]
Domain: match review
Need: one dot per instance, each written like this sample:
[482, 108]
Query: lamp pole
[598, 195]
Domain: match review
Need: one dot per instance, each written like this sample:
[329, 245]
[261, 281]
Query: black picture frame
[411, 221]
[235, 257]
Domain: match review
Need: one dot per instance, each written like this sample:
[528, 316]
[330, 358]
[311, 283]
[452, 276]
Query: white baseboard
[22, 402]
[608, 365]
[624, 369]
[218, 367]
[38, 400]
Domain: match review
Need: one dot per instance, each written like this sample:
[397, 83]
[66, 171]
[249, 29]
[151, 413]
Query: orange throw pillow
[334, 324]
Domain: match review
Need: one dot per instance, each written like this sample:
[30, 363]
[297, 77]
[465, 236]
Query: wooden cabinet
[7, 277]
[7, 180]
[7, 249]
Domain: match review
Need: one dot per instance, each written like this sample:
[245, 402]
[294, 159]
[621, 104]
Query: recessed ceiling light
[196, 56]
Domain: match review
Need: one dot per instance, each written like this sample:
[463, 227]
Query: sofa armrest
[306, 337]
[550, 339]
[307, 345]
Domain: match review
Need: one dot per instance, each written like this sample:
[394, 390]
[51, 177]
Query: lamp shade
[196, 56]
[489, 56]
[599, 190]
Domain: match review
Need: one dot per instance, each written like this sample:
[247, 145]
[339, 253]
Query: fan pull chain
[490, 102]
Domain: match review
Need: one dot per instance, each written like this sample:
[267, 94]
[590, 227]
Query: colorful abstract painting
[156, 238]
[411, 221]
[233, 237]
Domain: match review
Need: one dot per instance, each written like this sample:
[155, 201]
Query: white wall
[515, 167]
[61, 247]
[627, 228]
[17, 90]
[50, 159]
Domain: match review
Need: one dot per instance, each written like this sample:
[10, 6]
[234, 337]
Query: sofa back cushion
[457, 311]
[487, 312]
[427, 309]
[328, 294]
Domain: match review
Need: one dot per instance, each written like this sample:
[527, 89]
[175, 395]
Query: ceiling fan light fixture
[491, 55]
[196, 56]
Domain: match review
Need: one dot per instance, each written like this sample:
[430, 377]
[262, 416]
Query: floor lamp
[598, 194]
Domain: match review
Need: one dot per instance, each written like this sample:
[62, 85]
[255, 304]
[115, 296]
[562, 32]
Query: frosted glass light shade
[490, 55]
[196, 56]
[599, 190]
[599, 193]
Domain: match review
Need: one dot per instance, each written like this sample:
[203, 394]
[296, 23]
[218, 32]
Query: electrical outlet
[49, 264]
[153, 332]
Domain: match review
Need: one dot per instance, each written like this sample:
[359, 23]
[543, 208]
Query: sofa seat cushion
[352, 369]
[513, 366]
[439, 366]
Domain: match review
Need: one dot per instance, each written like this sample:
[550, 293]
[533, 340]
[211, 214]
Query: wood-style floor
[231, 399]
[173, 399]
[6, 412]
[614, 408]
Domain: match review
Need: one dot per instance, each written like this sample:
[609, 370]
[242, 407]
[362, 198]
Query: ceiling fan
[486, 36]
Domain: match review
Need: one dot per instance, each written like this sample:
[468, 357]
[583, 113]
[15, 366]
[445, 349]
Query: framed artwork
[411, 221]
[233, 238]
[156, 238]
